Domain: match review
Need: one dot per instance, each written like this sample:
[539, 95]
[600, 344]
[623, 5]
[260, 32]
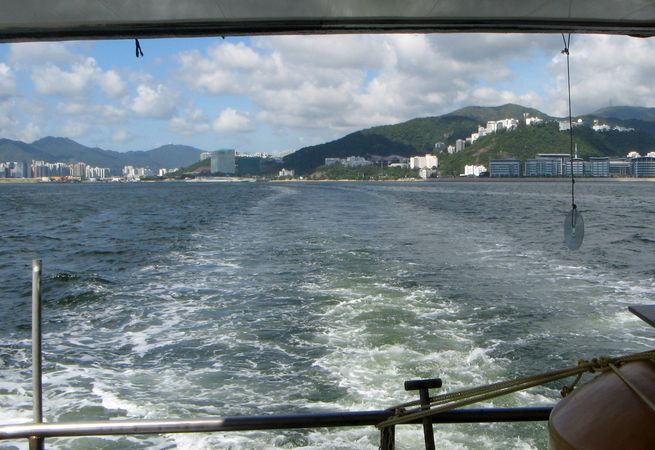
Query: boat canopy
[28, 20]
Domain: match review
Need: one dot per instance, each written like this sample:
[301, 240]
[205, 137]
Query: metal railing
[38, 431]
[41, 431]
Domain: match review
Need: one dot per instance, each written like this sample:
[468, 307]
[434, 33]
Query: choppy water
[185, 300]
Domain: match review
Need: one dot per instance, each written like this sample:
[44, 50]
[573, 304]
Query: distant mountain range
[415, 136]
[57, 149]
[419, 136]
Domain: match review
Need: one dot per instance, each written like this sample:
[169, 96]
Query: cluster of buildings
[230, 162]
[561, 164]
[350, 161]
[493, 126]
[60, 171]
[427, 165]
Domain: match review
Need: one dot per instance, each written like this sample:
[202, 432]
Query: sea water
[184, 300]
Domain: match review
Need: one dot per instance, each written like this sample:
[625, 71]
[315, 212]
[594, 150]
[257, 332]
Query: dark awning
[25, 20]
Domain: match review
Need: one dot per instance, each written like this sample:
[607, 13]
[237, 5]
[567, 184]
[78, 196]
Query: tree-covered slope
[404, 139]
[527, 141]
[627, 113]
[418, 136]
[483, 114]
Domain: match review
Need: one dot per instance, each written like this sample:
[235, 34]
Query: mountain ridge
[415, 136]
[419, 135]
[61, 149]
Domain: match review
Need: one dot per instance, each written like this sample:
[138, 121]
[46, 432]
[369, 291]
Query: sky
[276, 94]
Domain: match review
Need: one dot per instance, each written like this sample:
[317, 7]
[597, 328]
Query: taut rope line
[445, 402]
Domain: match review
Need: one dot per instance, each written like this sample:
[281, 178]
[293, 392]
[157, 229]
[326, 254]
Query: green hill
[58, 149]
[483, 114]
[627, 113]
[527, 141]
[405, 139]
[418, 136]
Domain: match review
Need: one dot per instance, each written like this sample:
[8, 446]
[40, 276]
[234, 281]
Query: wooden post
[423, 387]
[388, 438]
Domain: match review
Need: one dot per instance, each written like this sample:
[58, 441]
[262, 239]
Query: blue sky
[278, 94]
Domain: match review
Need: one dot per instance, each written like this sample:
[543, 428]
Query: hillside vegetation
[418, 136]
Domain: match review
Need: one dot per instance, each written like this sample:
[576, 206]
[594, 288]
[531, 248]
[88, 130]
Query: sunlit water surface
[200, 300]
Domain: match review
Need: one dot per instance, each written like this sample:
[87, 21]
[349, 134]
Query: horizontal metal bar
[177, 29]
[252, 423]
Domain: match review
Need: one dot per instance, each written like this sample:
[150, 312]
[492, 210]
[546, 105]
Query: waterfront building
[578, 166]
[619, 167]
[504, 168]
[643, 166]
[22, 169]
[286, 173]
[599, 166]
[402, 165]
[356, 161]
[134, 173]
[223, 162]
[424, 162]
[97, 172]
[426, 172]
[249, 165]
[79, 170]
[161, 172]
[473, 170]
[543, 167]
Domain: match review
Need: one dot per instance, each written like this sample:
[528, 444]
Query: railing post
[36, 443]
[423, 387]
[388, 438]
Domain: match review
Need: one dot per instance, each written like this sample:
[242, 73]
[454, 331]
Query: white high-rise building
[424, 162]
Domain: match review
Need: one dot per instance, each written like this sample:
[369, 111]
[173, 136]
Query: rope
[445, 402]
[632, 387]
[568, 79]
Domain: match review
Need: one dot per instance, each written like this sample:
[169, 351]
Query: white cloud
[93, 113]
[30, 132]
[7, 80]
[232, 121]
[38, 53]
[77, 81]
[336, 84]
[156, 102]
[52, 80]
[19, 120]
[122, 136]
[74, 129]
[604, 70]
[112, 84]
[236, 56]
[190, 122]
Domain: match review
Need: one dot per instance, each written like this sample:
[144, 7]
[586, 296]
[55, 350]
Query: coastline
[479, 180]
[401, 180]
